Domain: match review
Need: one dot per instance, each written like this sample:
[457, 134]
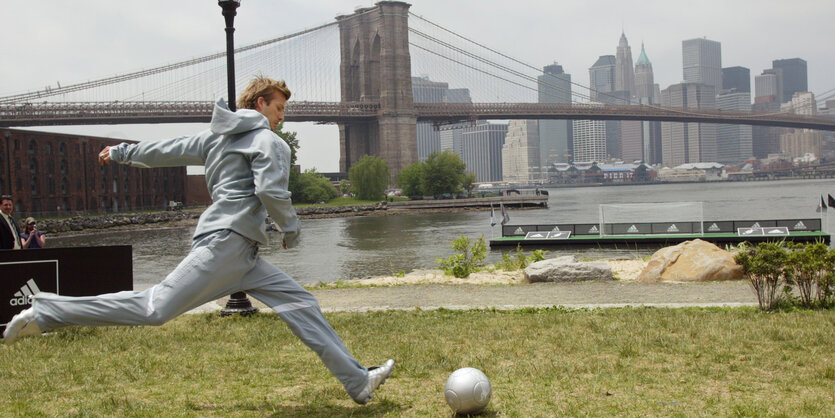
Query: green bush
[468, 259]
[369, 177]
[810, 271]
[764, 267]
[804, 268]
[313, 187]
[409, 179]
[518, 260]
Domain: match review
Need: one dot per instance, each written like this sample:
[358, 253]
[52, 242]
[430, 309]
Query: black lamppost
[238, 303]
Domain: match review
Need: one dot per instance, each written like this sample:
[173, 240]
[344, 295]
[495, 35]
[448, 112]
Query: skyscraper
[738, 78]
[602, 77]
[589, 140]
[794, 76]
[733, 142]
[554, 86]
[702, 62]
[482, 150]
[520, 152]
[624, 73]
[688, 142]
[644, 78]
[650, 132]
[766, 85]
[428, 91]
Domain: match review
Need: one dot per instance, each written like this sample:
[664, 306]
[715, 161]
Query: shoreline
[80, 225]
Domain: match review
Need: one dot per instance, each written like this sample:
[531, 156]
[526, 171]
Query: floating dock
[660, 234]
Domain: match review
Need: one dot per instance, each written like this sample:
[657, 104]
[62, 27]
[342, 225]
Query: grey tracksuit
[247, 172]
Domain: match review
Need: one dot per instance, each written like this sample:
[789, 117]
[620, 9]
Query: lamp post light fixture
[238, 303]
[229, 11]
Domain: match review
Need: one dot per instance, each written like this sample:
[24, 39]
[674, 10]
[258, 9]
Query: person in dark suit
[9, 231]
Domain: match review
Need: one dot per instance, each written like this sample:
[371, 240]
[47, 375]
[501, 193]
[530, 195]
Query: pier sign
[548, 235]
[759, 232]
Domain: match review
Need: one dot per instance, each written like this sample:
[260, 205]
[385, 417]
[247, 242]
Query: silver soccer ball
[467, 391]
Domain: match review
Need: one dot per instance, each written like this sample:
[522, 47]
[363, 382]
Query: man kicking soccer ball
[247, 172]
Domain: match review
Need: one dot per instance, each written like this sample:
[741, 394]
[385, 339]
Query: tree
[344, 186]
[314, 188]
[290, 138]
[410, 178]
[369, 178]
[468, 182]
[443, 172]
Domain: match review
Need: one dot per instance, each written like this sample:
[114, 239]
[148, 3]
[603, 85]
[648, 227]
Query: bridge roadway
[111, 113]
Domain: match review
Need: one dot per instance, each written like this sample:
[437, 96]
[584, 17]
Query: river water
[349, 248]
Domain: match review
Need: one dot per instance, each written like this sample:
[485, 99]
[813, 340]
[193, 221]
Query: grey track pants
[219, 264]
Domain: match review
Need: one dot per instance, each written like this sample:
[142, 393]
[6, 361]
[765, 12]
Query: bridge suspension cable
[538, 71]
[173, 85]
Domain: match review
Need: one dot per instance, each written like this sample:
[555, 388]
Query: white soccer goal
[651, 218]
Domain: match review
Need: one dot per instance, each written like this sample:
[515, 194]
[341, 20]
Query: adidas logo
[632, 230]
[799, 226]
[24, 296]
[713, 228]
[673, 228]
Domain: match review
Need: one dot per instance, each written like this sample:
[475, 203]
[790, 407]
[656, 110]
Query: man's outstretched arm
[175, 152]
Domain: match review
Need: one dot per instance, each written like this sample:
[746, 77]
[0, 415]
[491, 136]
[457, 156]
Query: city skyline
[116, 38]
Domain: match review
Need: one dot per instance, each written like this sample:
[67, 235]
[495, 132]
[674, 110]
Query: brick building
[58, 174]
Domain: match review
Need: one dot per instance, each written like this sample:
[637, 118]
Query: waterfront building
[738, 78]
[53, 174]
[555, 137]
[624, 72]
[702, 62]
[688, 142]
[482, 150]
[520, 152]
[733, 142]
[425, 90]
[794, 74]
[802, 142]
[589, 140]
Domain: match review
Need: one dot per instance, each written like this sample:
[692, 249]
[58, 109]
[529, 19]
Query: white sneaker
[22, 325]
[376, 377]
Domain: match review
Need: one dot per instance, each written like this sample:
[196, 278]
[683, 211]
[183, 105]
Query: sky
[51, 41]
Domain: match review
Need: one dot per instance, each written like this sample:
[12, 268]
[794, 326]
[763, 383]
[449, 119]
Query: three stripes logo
[24, 296]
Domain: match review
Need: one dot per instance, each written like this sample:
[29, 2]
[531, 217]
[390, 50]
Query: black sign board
[83, 271]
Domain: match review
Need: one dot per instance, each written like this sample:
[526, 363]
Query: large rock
[691, 261]
[567, 269]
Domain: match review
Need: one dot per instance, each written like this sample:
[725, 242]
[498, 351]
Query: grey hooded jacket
[247, 172]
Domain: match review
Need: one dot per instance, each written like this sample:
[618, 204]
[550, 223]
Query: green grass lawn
[541, 362]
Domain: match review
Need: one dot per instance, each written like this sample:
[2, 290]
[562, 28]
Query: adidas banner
[64, 271]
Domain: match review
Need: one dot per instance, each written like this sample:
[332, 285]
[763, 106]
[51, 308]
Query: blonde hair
[264, 87]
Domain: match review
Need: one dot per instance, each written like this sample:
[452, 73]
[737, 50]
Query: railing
[453, 112]
[73, 113]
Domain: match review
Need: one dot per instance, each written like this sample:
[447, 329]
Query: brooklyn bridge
[355, 72]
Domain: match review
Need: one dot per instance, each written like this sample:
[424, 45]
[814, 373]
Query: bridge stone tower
[376, 68]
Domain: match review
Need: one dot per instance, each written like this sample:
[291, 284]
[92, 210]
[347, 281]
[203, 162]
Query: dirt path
[572, 295]
[584, 294]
